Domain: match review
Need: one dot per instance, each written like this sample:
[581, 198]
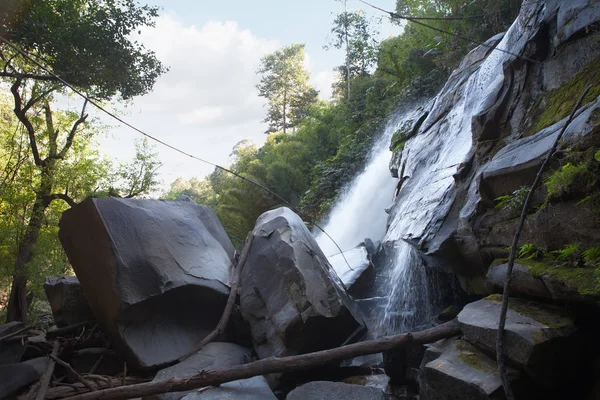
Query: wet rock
[155, 273]
[69, 305]
[542, 340]
[216, 356]
[517, 163]
[335, 390]
[354, 269]
[573, 17]
[457, 371]
[15, 377]
[522, 282]
[289, 293]
[402, 365]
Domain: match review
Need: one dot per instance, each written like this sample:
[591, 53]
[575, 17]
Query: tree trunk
[284, 111]
[17, 302]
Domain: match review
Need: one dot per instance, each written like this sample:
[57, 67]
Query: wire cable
[165, 144]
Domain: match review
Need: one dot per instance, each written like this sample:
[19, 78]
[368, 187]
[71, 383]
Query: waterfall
[360, 212]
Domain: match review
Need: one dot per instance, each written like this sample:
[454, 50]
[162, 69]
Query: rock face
[69, 305]
[453, 369]
[216, 356]
[542, 340]
[155, 273]
[335, 390]
[289, 293]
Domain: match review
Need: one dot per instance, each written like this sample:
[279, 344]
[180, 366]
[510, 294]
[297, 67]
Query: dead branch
[62, 390]
[235, 284]
[15, 333]
[74, 373]
[45, 381]
[275, 365]
[513, 255]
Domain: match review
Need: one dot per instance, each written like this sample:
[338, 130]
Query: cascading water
[360, 213]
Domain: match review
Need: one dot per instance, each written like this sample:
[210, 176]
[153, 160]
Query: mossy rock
[558, 103]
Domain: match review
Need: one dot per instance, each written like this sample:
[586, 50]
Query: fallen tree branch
[74, 373]
[61, 391]
[513, 255]
[15, 333]
[235, 284]
[274, 365]
[45, 380]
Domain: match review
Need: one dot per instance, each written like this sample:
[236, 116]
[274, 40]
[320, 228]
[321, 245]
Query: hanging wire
[29, 57]
[416, 20]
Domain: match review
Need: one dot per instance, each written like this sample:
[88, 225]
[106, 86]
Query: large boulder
[456, 370]
[155, 273]
[355, 269]
[290, 294]
[545, 280]
[542, 340]
[335, 390]
[216, 356]
[16, 377]
[69, 305]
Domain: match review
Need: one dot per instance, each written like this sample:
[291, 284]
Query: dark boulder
[155, 273]
[541, 339]
[290, 294]
[456, 370]
[216, 356]
[522, 283]
[16, 377]
[335, 390]
[69, 305]
[11, 351]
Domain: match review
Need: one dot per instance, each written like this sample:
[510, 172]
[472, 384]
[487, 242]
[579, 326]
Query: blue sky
[207, 102]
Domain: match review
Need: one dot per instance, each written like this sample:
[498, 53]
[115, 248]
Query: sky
[208, 101]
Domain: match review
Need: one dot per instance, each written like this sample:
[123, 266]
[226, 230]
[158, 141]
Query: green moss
[498, 261]
[552, 318]
[475, 359]
[399, 146]
[559, 103]
[584, 280]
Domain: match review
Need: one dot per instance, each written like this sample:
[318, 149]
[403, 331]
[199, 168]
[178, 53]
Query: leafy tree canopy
[88, 43]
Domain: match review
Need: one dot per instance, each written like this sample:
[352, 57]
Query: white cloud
[207, 102]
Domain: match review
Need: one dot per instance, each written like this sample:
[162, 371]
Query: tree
[284, 83]
[354, 31]
[89, 44]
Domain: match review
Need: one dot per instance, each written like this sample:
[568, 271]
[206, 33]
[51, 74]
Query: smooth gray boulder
[11, 351]
[457, 371]
[216, 356]
[16, 377]
[542, 340]
[322, 390]
[67, 301]
[522, 282]
[289, 293]
[156, 273]
[354, 268]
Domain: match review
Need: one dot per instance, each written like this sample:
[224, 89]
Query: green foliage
[355, 33]
[569, 254]
[597, 156]
[139, 176]
[284, 83]
[528, 251]
[513, 201]
[89, 43]
[591, 257]
[565, 179]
